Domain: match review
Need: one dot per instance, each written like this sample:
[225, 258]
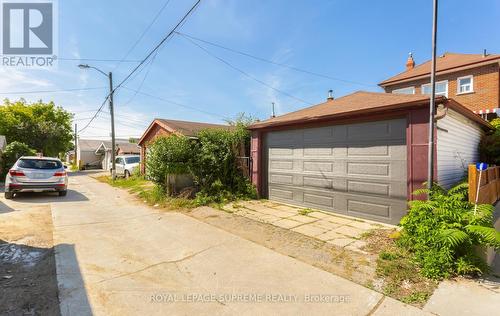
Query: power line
[176, 103]
[246, 74]
[143, 33]
[103, 60]
[52, 91]
[273, 62]
[95, 115]
[143, 61]
[159, 44]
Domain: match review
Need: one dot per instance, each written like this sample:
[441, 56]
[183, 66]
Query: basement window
[408, 90]
[441, 88]
[465, 85]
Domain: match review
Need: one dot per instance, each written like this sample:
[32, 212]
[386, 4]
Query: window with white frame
[465, 85]
[441, 88]
[408, 90]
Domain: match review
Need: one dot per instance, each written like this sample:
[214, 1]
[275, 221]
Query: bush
[212, 161]
[169, 155]
[12, 152]
[215, 167]
[444, 232]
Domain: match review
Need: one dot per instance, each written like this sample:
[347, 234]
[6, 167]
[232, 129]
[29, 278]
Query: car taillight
[59, 174]
[16, 173]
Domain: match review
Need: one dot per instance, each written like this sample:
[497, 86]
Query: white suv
[36, 174]
[127, 164]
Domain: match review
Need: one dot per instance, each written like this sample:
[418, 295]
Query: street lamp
[111, 112]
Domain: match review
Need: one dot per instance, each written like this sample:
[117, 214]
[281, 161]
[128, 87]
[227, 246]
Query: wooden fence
[489, 190]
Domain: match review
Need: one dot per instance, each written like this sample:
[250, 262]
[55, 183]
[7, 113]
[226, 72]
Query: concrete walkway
[341, 231]
[115, 256]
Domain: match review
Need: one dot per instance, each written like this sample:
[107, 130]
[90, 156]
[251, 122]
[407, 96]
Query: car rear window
[132, 159]
[39, 164]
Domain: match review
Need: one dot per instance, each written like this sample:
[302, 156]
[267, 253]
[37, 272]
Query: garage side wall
[457, 146]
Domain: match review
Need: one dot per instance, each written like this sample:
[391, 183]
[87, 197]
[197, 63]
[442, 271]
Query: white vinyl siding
[457, 146]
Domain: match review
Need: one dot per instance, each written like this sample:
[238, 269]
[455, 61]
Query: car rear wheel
[9, 195]
[63, 193]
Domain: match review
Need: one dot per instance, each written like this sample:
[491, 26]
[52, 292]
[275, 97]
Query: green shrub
[211, 159]
[12, 152]
[169, 155]
[444, 231]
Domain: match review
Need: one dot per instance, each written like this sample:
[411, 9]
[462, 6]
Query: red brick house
[163, 127]
[473, 80]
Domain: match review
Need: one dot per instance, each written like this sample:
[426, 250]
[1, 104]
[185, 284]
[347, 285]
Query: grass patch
[398, 274]
[305, 211]
[150, 193]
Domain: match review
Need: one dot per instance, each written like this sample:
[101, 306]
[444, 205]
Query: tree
[44, 127]
[11, 153]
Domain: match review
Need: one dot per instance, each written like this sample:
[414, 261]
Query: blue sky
[360, 41]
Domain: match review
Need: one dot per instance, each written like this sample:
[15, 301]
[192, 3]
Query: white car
[36, 174]
[127, 164]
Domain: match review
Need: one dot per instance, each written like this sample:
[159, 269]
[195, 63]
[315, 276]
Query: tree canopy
[44, 127]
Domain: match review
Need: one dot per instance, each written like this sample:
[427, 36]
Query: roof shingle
[448, 62]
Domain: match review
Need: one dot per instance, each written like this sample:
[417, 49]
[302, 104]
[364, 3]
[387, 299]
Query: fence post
[472, 183]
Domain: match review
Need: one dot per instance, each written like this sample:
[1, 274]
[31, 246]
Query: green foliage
[41, 126]
[12, 152]
[211, 159]
[216, 169]
[444, 231]
[169, 155]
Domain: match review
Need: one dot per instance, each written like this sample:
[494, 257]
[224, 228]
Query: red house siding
[155, 132]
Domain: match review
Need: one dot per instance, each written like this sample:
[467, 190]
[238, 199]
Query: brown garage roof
[446, 63]
[186, 128]
[361, 103]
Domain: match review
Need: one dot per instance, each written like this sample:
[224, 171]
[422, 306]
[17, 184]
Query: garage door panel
[357, 169]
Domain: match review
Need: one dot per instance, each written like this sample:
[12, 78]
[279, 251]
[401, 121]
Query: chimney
[410, 63]
[484, 53]
[330, 95]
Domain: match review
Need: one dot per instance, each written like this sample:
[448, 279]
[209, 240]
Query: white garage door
[356, 169]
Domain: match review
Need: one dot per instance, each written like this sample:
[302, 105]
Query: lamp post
[111, 112]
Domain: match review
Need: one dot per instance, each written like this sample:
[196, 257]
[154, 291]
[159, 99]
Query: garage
[355, 169]
[361, 155]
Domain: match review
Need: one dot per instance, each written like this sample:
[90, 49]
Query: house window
[441, 88]
[465, 85]
[408, 90]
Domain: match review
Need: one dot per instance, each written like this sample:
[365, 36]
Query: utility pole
[430, 159]
[112, 113]
[75, 158]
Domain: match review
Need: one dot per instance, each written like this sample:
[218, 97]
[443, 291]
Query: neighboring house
[362, 154]
[470, 79]
[123, 147]
[161, 127]
[86, 153]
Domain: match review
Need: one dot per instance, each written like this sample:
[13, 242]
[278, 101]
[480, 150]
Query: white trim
[397, 91]
[471, 84]
[438, 82]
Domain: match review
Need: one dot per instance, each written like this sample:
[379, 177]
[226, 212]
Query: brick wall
[155, 132]
[486, 82]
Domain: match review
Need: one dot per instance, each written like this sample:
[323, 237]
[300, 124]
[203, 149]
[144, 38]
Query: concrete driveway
[115, 256]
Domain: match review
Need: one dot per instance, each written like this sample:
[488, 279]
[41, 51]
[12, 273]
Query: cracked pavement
[117, 256]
